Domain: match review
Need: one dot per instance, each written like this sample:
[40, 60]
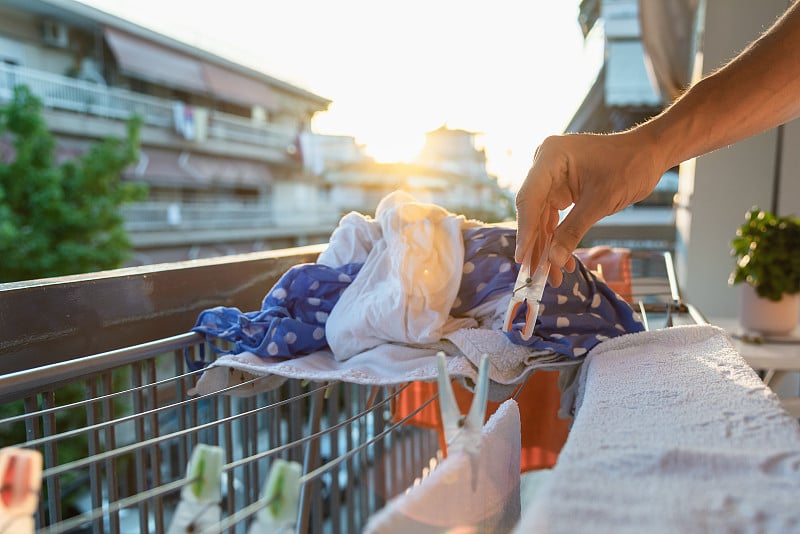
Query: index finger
[532, 214]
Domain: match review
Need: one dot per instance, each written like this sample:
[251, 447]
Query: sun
[393, 147]
[388, 137]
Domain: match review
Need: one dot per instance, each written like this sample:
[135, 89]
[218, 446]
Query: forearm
[756, 91]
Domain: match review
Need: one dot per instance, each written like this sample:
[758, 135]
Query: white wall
[718, 188]
[789, 192]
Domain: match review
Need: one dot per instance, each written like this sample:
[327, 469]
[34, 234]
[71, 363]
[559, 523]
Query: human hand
[599, 174]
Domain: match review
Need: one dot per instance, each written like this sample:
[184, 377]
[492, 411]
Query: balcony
[68, 94]
[157, 224]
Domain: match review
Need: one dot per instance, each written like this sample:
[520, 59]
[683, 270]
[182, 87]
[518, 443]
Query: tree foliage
[61, 218]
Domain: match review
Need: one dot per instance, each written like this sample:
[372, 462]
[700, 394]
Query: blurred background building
[228, 152]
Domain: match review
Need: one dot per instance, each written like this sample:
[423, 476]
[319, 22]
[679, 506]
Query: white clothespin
[281, 492]
[528, 289]
[463, 433]
[200, 497]
[21, 478]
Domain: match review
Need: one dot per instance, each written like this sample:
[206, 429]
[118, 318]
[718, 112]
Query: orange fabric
[615, 266]
[543, 432]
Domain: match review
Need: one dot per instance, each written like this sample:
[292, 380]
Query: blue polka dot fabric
[292, 318]
[573, 318]
[489, 268]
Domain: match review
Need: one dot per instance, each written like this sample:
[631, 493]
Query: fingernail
[558, 254]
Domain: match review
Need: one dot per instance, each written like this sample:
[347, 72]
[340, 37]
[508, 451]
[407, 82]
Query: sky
[513, 71]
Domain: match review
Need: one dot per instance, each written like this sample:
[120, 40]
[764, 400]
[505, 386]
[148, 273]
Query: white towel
[445, 500]
[674, 433]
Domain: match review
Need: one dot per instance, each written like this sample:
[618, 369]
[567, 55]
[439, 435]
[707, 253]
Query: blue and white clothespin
[463, 433]
[281, 492]
[201, 494]
[21, 478]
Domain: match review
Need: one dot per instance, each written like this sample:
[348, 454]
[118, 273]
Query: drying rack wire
[115, 460]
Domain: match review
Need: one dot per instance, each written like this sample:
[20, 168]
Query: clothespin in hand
[21, 478]
[281, 493]
[463, 433]
[528, 290]
[201, 494]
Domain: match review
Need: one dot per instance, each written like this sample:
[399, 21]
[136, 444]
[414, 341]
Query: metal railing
[116, 431]
[154, 216]
[162, 216]
[239, 129]
[62, 92]
[80, 96]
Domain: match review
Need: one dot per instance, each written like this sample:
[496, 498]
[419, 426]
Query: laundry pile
[391, 291]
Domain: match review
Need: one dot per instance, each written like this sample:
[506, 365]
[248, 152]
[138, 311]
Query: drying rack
[116, 430]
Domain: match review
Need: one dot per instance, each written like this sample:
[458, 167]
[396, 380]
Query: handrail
[57, 319]
[28, 381]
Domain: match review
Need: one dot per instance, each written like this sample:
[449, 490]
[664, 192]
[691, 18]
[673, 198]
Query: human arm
[602, 174]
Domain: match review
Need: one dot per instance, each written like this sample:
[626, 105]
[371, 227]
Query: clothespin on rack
[21, 478]
[282, 495]
[201, 494]
[463, 433]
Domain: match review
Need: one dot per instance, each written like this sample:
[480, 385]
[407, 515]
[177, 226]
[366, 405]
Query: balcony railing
[160, 216]
[70, 94]
[239, 129]
[154, 216]
[62, 92]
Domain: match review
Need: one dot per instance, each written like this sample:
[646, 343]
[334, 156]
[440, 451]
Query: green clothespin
[282, 494]
[204, 474]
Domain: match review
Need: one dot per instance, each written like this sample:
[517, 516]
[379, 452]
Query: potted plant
[767, 252]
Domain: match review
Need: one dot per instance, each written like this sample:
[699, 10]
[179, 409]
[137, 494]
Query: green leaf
[766, 251]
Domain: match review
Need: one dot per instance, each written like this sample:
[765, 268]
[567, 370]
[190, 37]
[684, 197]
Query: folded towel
[674, 432]
[449, 500]
[386, 364]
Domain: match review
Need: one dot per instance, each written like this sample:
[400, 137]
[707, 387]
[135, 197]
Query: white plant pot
[764, 316]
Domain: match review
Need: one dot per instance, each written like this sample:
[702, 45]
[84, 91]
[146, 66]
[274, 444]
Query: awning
[228, 172]
[166, 168]
[146, 60]
[668, 36]
[183, 169]
[149, 61]
[228, 85]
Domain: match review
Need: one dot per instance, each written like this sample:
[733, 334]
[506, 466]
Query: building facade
[623, 95]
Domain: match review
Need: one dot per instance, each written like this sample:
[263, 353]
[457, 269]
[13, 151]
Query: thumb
[569, 233]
